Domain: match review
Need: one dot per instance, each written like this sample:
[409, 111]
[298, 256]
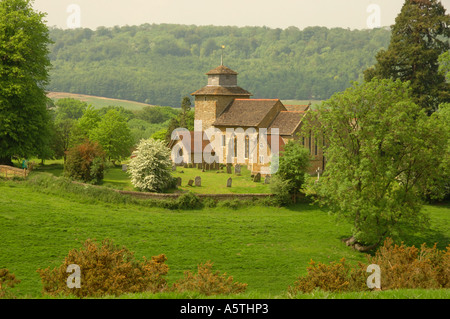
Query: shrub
[7, 280]
[231, 203]
[85, 162]
[106, 269]
[410, 267]
[337, 276]
[150, 169]
[208, 282]
[402, 267]
[189, 201]
[290, 175]
[209, 202]
[281, 189]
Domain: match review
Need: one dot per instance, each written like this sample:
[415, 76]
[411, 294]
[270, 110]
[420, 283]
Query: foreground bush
[106, 269]
[411, 267]
[7, 281]
[208, 282]
[401, 267]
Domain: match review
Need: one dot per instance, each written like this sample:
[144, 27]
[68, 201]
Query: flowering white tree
[150, 169]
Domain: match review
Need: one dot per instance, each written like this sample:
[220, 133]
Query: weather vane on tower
[221, 57]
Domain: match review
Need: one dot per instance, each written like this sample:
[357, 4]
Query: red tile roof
[287, 122]
[246, 112]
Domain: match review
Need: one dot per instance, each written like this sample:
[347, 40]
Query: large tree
[24, 66]
[418, 37]
[382, 153]
[114, 136]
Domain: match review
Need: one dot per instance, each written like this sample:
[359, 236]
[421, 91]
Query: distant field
[97, 101]
[301, 102]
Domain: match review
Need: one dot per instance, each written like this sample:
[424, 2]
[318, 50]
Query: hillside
[98, 101]
[160, 64]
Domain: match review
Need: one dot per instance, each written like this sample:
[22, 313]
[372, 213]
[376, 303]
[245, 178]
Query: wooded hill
[160, 64]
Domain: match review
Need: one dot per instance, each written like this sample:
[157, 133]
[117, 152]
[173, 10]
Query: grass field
[301, 102]
[212, 182]
[265, 247]
[97, 101]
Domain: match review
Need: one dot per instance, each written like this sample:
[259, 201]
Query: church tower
[222, 89]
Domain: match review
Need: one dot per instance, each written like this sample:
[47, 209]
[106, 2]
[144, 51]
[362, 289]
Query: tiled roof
[221, 69]
[287, 122]
[222, 90]
[245, 112]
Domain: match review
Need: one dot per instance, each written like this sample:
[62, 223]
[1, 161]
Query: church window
[247, 146]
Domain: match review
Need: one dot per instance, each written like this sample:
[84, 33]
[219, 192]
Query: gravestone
[178, 181]
[124, 167]
[174, 168]
[198, 181]
[229, 182]
[229, 168]
[267, 179]
[200, 166]
[190, 182]
[237, 169]
[185, 165]
[257, 178]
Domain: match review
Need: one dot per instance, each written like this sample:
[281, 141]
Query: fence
[10, 172]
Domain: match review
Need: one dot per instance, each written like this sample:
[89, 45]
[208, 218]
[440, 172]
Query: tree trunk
[351, 241]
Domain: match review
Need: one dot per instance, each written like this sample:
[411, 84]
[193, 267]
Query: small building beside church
[242, 130]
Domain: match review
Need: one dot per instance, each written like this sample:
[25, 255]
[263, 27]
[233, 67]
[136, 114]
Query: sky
[352, 14]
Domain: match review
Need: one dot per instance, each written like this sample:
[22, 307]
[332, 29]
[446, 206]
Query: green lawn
[216, 183]
[265, 247]
[212, 182]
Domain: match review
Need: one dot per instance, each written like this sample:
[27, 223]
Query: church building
[242, 130]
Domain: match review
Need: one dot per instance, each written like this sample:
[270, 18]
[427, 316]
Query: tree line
[161, 63]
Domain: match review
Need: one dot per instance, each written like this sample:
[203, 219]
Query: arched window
[247, 146]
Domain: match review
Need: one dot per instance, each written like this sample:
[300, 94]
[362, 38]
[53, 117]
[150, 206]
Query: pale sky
[353, 14]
